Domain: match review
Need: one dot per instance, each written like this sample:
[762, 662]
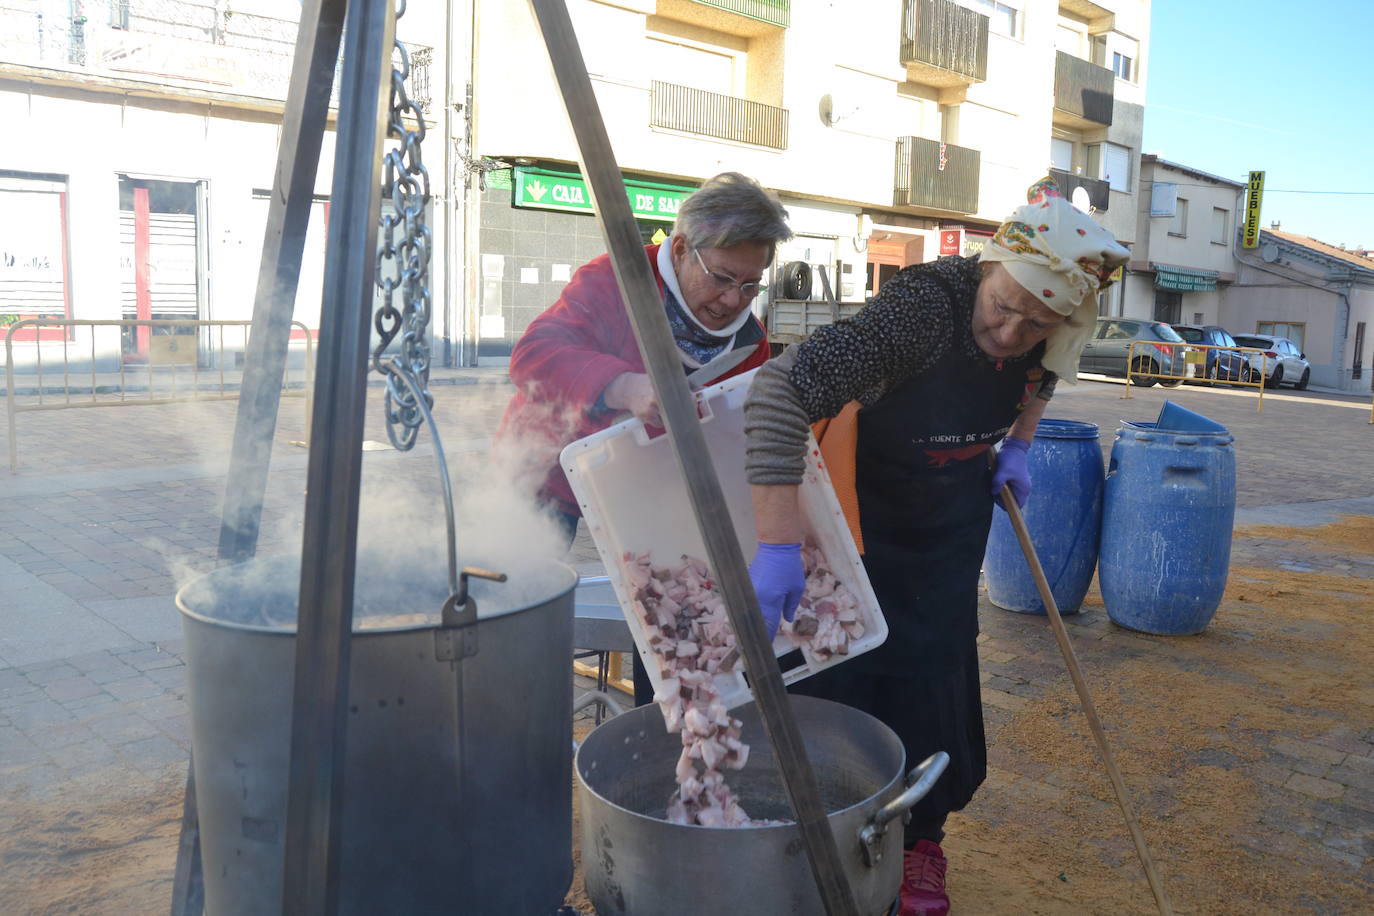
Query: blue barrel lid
[1065, 429]
[1178, 418]
[1148, 429]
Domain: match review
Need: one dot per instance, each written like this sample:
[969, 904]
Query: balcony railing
[944, 44]
[939, 176]
[776, 12]
[1083, 90]
[1099, 191]
[201, 45]
[711, 114]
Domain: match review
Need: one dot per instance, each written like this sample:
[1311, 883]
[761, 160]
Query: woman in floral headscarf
[950, 359]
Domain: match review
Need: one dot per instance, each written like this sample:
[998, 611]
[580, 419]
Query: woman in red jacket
[577, 367]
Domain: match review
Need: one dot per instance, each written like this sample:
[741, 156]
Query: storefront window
[34, 269]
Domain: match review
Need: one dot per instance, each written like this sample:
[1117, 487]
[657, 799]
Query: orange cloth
[839, 440]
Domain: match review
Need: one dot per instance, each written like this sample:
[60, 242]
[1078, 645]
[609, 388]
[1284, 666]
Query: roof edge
[1189, 170]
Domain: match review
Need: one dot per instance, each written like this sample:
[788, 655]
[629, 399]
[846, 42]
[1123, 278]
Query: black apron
[925, 507]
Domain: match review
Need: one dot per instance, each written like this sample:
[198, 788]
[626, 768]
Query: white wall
[92, 136]
[1138, 296]
[1008, 117]
[1196, 248]
[1278, 294]
[233, 156]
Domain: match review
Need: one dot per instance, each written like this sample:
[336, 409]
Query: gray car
[1106, 351]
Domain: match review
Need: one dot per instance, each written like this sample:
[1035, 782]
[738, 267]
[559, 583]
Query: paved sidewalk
[114, 507]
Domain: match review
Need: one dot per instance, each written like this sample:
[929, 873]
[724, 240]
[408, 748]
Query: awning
[1184, 279]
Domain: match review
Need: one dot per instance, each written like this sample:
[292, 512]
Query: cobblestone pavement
[114, 507]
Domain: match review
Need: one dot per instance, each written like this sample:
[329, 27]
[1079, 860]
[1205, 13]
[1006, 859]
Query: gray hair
[730, 209]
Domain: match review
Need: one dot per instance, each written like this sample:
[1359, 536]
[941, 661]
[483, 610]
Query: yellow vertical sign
[1252, 211]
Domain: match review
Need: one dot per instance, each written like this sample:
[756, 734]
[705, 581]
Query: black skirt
[923, 552]
[933, 708]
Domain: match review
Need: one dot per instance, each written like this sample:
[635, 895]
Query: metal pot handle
[918, 783]
[591, 697]
[455, 638]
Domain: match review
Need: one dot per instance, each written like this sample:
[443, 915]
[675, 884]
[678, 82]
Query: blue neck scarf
[689, 337]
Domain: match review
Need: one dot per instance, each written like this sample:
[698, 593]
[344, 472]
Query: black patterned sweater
[917, 317]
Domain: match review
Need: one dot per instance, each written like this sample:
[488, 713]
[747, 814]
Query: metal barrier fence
[1188, 357]
[170, 374]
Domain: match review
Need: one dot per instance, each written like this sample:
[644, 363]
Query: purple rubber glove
[779, 581]
[1012, 471]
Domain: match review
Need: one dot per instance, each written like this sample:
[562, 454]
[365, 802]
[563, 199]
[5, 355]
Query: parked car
[1219, 365]
[1284, 360]
[1106, 351]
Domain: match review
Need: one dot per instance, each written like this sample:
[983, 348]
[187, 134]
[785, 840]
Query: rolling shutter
[33, 249]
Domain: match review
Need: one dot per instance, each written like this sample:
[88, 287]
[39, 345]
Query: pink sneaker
[923, 881]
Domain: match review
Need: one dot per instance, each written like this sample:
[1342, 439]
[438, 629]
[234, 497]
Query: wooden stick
[1061, 635]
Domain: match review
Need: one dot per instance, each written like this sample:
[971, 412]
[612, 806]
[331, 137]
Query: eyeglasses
[724, 284]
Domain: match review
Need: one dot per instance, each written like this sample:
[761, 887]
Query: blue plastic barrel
[1063, 516]
[1169, 505]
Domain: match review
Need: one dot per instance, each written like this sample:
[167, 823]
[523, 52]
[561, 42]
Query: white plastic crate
[634, 499]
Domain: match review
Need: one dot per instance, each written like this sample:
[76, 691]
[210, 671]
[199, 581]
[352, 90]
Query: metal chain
[403, 264]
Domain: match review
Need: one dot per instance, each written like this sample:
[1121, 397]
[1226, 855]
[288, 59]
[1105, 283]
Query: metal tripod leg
[324, 624]
[288, 213]
[188, 885]
[635, 278]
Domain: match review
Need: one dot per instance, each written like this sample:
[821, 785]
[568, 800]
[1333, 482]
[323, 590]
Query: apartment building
[140, 149]
[1185, 241]
[894, 130]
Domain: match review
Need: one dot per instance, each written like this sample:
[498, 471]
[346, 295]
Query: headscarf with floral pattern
[1064, 258]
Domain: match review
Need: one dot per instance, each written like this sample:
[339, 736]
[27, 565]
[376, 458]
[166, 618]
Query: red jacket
[564, 361]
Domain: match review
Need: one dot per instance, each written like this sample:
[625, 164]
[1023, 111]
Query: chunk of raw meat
[688, 629]
[828, 618]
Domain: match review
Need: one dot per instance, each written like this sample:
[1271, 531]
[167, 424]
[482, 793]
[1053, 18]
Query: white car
[1283, 360]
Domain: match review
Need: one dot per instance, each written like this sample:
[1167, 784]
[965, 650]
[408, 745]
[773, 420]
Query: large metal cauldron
[458, 775]
[637, 864]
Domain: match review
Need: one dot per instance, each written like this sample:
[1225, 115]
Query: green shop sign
[541, 189]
